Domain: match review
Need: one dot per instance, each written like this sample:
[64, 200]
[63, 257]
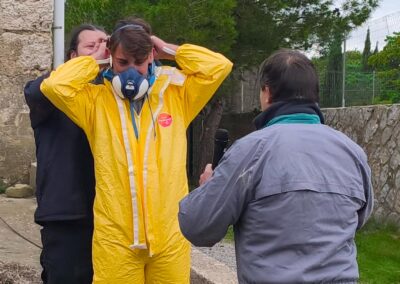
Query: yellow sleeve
[70, 90]
[205, 70]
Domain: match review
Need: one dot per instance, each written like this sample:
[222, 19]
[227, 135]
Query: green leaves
[366, 52]
[389, 57]
[387, 65]
[208, 23]
[245, 30]
[264, 26]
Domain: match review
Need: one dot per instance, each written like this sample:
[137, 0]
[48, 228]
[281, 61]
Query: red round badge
[164, 119]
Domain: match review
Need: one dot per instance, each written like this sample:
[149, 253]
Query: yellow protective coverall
[139, 181]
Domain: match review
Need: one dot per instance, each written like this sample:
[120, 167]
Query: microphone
[220, 145]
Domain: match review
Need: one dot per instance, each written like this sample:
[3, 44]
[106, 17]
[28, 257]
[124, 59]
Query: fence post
[242, 97]
[344, 71]
[373, 86]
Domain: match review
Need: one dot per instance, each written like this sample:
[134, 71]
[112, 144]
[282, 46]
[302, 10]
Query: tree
[366, 53]
[332, 86]
[250, 29]
[83, 11]
[207, 23]
[264, 25]
[376, 50]
[389, 57]
[386, 63]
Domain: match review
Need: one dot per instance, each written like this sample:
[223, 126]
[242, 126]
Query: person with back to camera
[136, 126]
[295, 191]
[65, 178]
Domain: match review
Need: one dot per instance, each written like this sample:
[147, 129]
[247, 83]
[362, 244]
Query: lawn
[378, 248]
[379, 254]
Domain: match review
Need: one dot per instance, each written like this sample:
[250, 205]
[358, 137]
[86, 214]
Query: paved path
[18, 213]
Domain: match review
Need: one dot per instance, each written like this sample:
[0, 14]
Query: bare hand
[206, 175]
[163, 50]
[100, 51]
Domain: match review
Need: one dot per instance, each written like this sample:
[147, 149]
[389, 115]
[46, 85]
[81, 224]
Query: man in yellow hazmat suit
[136, 126]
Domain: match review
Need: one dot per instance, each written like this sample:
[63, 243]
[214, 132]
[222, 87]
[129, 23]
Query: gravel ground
[14, 273]
[223, 252]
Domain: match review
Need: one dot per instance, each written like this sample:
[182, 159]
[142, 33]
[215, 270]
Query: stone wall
[377, 130]
[26, 52]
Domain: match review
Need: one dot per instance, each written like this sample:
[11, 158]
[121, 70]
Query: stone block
[26, 15]
[19, 191]
[23, 53]
[16, 154]
[9, 87]
[393, 115]
[13, 108]
[387, 133]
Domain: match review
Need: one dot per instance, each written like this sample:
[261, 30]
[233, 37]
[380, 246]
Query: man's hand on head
[163, 50]
[101, 51]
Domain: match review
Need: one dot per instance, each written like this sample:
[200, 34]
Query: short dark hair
[289, 75]
[133, 34]
[74, 37]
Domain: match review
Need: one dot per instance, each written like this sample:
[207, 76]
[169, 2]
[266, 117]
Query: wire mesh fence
[361, 88]
[379, 30]
[353, 86]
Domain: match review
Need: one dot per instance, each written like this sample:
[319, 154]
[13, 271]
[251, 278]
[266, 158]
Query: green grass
[378, 250]
[229, 235]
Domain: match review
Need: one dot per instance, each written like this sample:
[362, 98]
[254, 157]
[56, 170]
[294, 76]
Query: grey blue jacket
[296, 194]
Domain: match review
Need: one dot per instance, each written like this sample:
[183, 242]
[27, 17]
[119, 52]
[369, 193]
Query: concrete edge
[208, 270]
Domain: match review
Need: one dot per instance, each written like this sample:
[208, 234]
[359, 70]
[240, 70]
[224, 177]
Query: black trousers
[67, 252]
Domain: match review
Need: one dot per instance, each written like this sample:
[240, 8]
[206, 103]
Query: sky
[386, 7]
[384, 21]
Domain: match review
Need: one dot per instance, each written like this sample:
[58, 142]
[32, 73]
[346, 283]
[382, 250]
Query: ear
[265, 98]
[73, 54]
[152, 55]
[268, 95]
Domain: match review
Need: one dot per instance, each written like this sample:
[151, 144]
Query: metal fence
[361, 88]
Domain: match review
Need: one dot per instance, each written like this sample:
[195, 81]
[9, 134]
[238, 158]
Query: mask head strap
[133, 26]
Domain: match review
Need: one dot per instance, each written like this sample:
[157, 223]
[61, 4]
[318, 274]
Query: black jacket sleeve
[40, 107]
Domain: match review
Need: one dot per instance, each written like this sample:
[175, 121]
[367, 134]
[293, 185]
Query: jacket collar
[287, 108]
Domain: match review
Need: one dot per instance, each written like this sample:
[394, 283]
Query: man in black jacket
[65, 178]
